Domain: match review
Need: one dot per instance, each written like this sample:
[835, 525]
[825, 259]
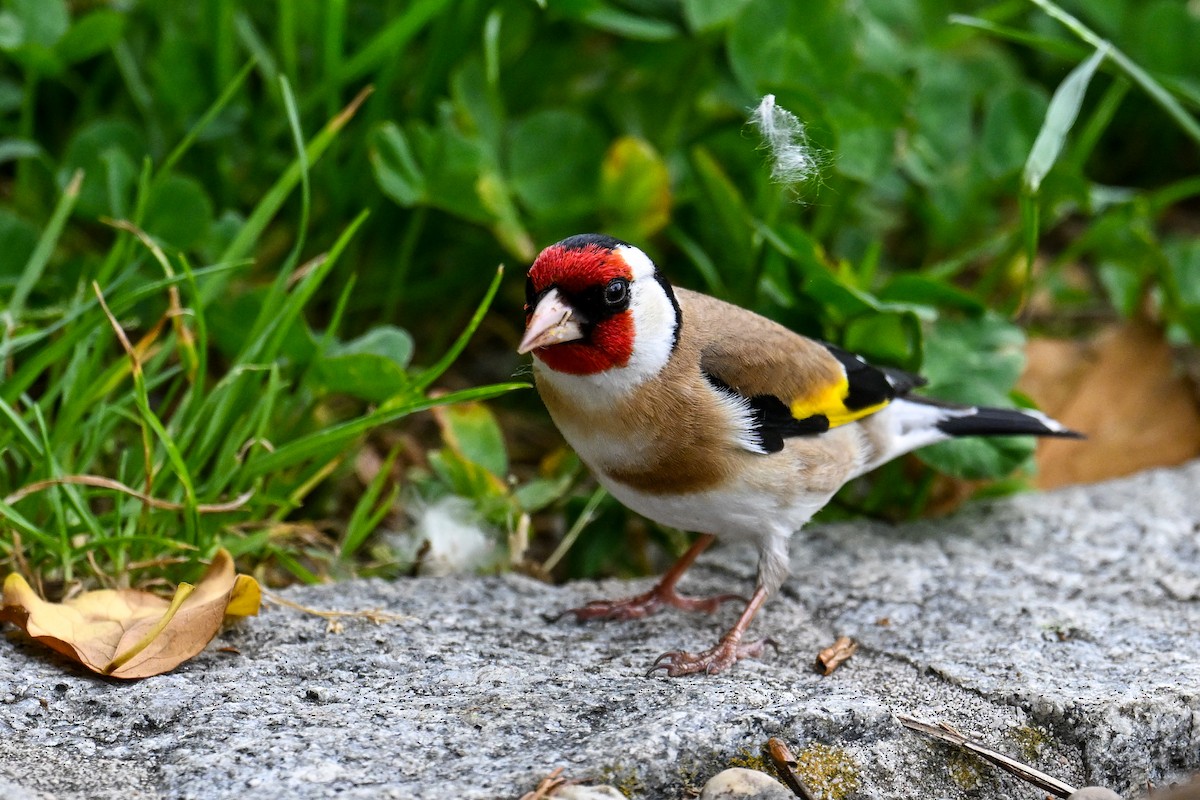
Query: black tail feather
[1004, 422]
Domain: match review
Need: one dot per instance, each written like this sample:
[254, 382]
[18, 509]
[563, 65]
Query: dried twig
[99, 482]
[332, 617]
[785, 766]
[949, 735]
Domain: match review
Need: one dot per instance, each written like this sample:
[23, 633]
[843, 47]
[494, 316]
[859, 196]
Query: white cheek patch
[654, 318]
[639, 263]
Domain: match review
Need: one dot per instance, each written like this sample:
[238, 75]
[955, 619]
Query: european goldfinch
[707, 417]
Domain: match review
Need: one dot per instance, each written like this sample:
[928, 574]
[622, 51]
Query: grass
[242, 242]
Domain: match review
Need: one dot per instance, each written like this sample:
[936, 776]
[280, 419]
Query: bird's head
[596, 305]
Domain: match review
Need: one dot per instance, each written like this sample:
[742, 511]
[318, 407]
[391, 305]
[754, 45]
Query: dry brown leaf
[1124, 390]
[833, 656]
[131, 634]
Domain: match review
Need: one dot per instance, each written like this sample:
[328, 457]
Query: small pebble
[744, 784]
[1094, 793]
[571, 792]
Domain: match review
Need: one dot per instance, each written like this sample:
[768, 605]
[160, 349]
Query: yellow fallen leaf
[131, 634]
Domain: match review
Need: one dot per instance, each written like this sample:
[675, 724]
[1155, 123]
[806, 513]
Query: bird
[707, 417]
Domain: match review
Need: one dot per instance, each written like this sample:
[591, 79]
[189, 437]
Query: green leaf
[705, 15]
[496, 196]
[452, 166]
[943, 105]
[385, 341]
[635, 190]
[179, 211]
[1183, 267]
[465, 478]
[623, 23]
[371, 367]
[17, 240]
[44, 21]
[97, 148]
[725, 217]
[979, 458]
[926, 291]
[17, 149]
[90, 36]
[12, 31]
[364, 375]
[539, 493]
[985, 352]
[807, 46]
[1060, 117]
[975, 362]
[471, 431]
[396, 169]
[887, 338]
[1123, 285]
[1011, 122]
[553, 163]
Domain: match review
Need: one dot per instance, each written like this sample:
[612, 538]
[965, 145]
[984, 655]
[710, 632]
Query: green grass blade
[271, 202]
[1060, 117]
[1047, 44]
[218, 105]
[333, 40]
[337, 437]
[368, 511]
[27, 528]
[426, 378]
[21, 427]
[301, 295]
[1142, 78]
[40, 256]
[386, 45]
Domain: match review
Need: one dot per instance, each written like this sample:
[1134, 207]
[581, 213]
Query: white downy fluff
[793, 159]
[458, 539]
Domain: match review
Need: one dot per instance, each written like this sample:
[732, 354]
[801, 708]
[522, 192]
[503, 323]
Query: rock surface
[1063, 629]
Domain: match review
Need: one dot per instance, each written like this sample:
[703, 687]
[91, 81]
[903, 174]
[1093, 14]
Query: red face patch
[573, 272]
[577, 269]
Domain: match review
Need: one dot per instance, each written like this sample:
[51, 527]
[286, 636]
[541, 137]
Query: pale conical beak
[553, 322]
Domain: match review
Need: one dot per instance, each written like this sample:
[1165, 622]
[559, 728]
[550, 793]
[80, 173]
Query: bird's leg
[727, 651]
[663, 594]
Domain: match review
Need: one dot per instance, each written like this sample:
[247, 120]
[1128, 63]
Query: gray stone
[739, 783]
[1051, 627]
[1094, 793]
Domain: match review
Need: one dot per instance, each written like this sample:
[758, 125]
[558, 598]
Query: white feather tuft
[793, 159]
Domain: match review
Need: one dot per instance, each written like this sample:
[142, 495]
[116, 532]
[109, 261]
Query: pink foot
[643, 605]
[716, 659]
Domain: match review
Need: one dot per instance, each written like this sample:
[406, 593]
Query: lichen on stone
[968, 771]
[752, 760]
[622, 778]
[830, 772]
[1031, 739]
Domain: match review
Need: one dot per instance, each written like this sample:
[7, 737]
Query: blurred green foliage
[987, 164]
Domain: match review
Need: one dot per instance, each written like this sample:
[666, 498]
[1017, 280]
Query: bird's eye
[530, 295]
[616, 291]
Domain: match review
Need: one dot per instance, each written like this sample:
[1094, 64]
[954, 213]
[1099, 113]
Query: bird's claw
[716, 659]
[643, 605]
